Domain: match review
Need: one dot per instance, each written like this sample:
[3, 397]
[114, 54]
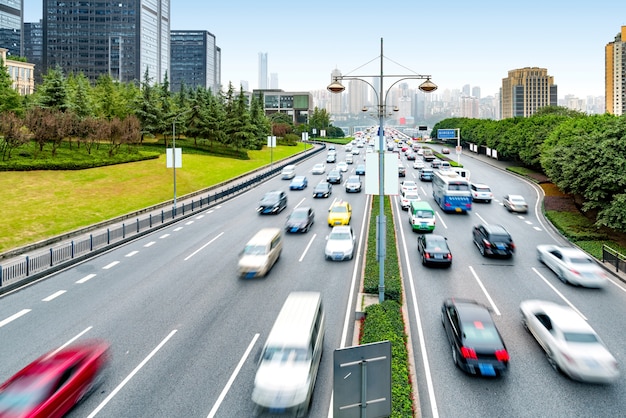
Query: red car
[51, 385]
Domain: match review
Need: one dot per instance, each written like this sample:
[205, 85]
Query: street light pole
[337, 87]
[174, 154]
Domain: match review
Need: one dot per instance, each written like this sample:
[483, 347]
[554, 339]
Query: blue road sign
[446, 133]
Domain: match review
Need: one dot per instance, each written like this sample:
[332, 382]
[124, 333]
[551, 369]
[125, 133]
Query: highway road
[531, 388]
[186, 331]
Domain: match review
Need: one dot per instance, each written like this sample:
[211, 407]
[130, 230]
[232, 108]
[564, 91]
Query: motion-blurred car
[318, 169]
[419, 164]
[493, 240]
[331, 157]
[299, 183]
[272, 202]
[570, 344]
[340, 213]
[410, 156]
[481, 192]
[572, 265]
[434, 250]
[445, 150]
[401, 170]
[515, 203]
[334, 177]
[323, 189]
[426, 174]
[435, 164]
[475, 342]
[408, 185]
[340, 244]
[360, 170]
[353, 184]
[342, 166]
[54, 383]
[301, 219]
[407, 197]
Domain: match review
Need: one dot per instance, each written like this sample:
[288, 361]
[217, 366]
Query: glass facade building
[11, 22]
[123, 38]
[195, 60]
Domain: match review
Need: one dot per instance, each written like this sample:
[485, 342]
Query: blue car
[360, 170]
[298, 183]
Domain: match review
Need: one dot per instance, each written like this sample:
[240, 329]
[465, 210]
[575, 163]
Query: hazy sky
[457, 42]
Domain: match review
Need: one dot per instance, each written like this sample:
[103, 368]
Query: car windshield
[270, 198]
[339, 236]
[581, 260]
[286, 354]
[412, 196]
[499, 238]
[339, 209]
[580, 337]
[22, 395]
[298, 215]
[254, 250]
[436, 244]
[517, 200]
[321, 187]
[422, 214]
[483, 189]
[478, 332]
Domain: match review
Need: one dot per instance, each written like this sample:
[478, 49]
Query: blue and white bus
[451, 191]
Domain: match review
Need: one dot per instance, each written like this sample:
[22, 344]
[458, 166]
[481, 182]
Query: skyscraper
[194, 60]
[11, 26]
[263, 70]
[526, 90]
[33, 40]
[123, 38]
[615, 75]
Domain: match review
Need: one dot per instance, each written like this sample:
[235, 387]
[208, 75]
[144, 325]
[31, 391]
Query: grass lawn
[41, 204]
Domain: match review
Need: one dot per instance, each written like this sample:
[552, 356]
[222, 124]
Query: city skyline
[457, 43]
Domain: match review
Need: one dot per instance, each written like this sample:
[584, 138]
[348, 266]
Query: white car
[515, 203]
[340, 244]
[572, 265]
[408, 185]
[481, 192]
[407, 197]
[418, 164]
[342, 166]
[570, 344]
[318, 169]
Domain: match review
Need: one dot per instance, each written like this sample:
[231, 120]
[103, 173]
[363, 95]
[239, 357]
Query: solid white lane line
[108, 266]
[132, 253]
[493, 305]
[53, 296]
[220, 399]
[71, 340]
[203, 247]
[14, 317]
[307, 248]
[130, 376]
[559, 293]
[150, 244]
[84, 279]
[440, 220]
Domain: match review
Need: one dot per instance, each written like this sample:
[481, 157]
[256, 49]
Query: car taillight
[468, 353]
[427, 255]
[486, 243]
[577, 273]
[502, 355]
[568, 358]
[449, 256]
[512, 245]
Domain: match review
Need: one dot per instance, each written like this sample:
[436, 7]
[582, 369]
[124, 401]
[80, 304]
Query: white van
[289, 172]
[290, 359]
[261, 252]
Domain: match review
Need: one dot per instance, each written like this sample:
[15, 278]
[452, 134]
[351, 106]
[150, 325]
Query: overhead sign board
[446, 133]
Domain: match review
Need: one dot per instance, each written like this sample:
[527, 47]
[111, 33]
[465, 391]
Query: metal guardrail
[31, 266]
[613, 257]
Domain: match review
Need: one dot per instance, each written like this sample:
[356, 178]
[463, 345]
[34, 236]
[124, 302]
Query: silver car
[340, 244]
[572, 265]
[515, 203]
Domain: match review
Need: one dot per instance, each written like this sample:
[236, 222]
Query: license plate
[294, 229]
[457, 210]
[250, 274]
[438, 256]
[486, 369]
[276, 410]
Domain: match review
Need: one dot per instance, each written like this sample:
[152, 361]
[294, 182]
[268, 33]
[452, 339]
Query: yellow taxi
[339, 213]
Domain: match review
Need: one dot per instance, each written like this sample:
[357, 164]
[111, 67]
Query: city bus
[451, 191]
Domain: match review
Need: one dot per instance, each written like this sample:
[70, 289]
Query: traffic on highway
[189, 313]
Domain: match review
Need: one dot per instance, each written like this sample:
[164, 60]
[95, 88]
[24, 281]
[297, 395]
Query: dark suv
[493, 240]
[273, 202]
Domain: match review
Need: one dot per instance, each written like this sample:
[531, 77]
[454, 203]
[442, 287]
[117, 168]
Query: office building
[21, 73]
[298, 105]
[273, 81]
[194, 62]
[33, 47]
[525, 91]
[124, 39]
[615, 75]
[263, 70]
[11, 26]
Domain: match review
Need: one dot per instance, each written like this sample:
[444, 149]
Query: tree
[13, 135]
[10, 100]
[147, 108]
[52, 94]
[41, 122]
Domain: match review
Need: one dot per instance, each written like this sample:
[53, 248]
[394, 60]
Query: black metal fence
[610, 256]
[28, 267]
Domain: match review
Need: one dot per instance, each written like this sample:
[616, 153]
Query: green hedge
[384, 322]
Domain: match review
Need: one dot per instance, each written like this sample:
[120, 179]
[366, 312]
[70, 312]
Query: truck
[428, 154]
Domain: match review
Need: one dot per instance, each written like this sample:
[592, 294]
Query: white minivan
[261, 252]
[290, 359]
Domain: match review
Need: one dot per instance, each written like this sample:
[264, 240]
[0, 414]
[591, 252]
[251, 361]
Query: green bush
[575, 226]
[384, 322]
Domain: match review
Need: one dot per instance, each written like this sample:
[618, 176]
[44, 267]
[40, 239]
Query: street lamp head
[364, 109]
[335, 87]
[428, 86]
[396, 109]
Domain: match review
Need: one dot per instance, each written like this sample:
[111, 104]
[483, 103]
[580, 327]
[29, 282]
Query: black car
[300, 220]
[475, 343]
[323, 189]
[493, 240]
[334, 177]
[272, 202]
[401, 170]
[353, 184]
[434, 250]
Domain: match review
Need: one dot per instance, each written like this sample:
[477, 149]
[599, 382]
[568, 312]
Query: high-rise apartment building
[525, 91]
[615, 75]
[194, 62]
[263, 70]
[11, 27]
[123, 38]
